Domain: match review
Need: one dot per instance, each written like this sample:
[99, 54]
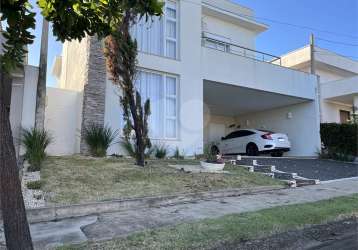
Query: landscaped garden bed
[79, 179]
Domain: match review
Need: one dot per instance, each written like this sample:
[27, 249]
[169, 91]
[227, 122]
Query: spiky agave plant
[99, 139]
[35, 142]
[160, 150]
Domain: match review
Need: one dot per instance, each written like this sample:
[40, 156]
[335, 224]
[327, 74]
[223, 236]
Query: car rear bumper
[276, 149]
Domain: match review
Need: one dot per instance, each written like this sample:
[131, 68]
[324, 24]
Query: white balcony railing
[239, 50]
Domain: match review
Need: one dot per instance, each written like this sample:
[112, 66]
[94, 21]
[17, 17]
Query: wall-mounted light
[289, 115]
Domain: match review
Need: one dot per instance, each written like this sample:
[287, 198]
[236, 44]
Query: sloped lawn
[78, 179]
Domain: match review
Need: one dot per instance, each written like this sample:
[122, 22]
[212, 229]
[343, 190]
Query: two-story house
[199, 67]
[338, 81]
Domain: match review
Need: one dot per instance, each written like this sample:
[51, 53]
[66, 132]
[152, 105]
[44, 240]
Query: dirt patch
[341, 234]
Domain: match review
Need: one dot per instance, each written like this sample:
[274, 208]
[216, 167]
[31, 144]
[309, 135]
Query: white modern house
[199, 66]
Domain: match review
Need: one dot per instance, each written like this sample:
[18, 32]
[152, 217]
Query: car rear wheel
[252, 150]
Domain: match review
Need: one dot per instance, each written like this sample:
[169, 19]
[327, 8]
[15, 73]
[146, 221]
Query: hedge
[340, 138]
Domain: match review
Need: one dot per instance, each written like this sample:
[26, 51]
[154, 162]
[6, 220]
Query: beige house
[338, 81]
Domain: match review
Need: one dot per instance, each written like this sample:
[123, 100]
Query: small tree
[121, 58]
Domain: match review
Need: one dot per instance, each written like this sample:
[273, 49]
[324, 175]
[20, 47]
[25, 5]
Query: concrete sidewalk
[112, 225]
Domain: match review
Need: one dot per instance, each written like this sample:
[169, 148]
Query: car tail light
[267, 136]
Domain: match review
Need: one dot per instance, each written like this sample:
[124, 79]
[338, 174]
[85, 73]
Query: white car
[252, 142]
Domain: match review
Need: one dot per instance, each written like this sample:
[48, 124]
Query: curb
[70, 211]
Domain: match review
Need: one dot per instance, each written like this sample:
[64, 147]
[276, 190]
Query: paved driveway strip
[309, 168]
[120, 224]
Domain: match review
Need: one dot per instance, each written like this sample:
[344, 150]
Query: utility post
[313, 72]
[312, 49]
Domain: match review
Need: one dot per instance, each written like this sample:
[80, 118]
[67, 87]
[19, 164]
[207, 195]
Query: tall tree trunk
[138, 129]
[41, 82]
[121, 53]
[16, 227]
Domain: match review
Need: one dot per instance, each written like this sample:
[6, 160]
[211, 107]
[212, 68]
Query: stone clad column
[93, 108]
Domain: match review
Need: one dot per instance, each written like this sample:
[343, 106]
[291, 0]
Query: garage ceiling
[230, 100]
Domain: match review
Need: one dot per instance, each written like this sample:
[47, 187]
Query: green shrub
[340, 140]
[35, 142]
[160, 151]
[99, 139]
[130, 149]
[35, 185]
[177, 155]
[209, 155]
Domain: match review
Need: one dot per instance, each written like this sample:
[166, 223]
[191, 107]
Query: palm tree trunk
[17, 233]
[41, 82]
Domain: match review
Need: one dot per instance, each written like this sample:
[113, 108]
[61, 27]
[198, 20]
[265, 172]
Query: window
[162, 91]
[239, 133]
[171, 38]
[159, 35]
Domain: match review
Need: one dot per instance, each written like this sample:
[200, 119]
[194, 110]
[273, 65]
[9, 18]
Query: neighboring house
[338, 81]
[22, 111]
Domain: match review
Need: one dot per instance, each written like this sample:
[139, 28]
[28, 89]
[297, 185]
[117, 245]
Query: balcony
[239, 50]
[227, 63]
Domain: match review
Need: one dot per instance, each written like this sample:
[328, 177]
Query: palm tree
[41, 82]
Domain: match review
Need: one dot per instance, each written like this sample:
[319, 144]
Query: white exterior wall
[188, 70]
[29, 101]
[334, 90]
[74, 65]
[17, 94]
[61, 120]
[235, 34]
[237, 70]
[330, 111]
[302, 129]
[327, 75]
[196, 64]
[216, 127]
[62, 117]
[336, 78]
[113, 115]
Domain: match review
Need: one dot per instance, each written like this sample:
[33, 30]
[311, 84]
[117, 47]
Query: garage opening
[228, 108]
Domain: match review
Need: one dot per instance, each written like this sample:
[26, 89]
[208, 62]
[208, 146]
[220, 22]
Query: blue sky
[337, 16]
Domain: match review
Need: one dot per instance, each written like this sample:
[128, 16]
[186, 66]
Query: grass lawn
[78, 179]
[207, 233]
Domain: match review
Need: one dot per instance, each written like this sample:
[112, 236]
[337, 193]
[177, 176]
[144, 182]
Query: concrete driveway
[310, 168]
